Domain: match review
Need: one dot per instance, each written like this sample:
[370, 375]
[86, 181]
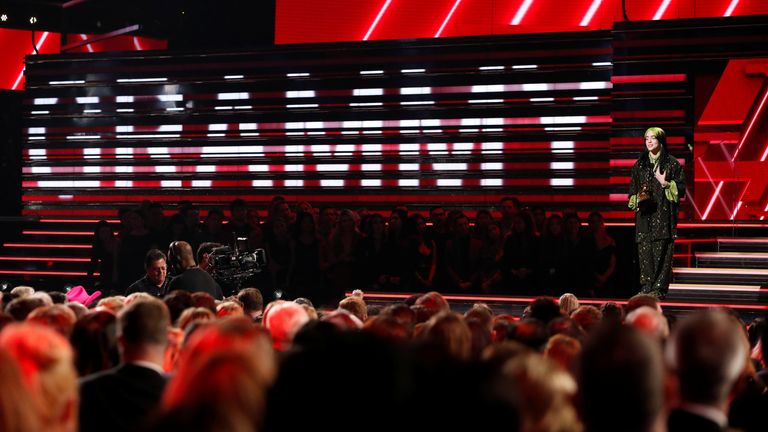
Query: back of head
[45, 360]
[544, 309]
[94, 339]
[449, 332]
[251, 299]
[355, 305]
[639, 300]
[650, 321]
[144, 323]
[17, 413]
[58, 317]
[177, 302]
[21, 307]
[620, 377]
[434, 302]
[708, 351]
[587, 317]
[283, 321]
[568, 303]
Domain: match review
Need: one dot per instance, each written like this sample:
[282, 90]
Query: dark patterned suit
[656, 220]
[119, 399]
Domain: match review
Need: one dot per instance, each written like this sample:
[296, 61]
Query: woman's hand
[660, 176]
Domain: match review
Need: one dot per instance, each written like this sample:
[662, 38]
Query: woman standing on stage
[656, 185]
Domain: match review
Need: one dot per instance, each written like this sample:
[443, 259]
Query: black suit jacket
[119, 399]
[685, 421]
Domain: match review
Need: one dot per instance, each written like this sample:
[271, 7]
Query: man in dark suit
[122, 398]
[708, 353]
[155, 282]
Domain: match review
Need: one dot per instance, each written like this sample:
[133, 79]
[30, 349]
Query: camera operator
[188, 276]
[203, 252]
[156, 280]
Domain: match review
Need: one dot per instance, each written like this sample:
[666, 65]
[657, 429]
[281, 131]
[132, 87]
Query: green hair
[660, 135]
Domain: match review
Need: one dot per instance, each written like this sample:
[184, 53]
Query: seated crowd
[191, 362]
[320, 254]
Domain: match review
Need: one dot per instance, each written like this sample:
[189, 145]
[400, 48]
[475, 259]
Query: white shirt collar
[148, 365]
[706, 411]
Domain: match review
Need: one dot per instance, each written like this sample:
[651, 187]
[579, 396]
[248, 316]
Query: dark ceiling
[185, 23]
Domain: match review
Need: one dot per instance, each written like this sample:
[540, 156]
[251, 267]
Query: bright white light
[415, 90]
[170, 98]
[45, 101]
[232, 96]
[661, 10]
[491, 182]
[449, 182]
[409, 148]
[417, 103]
[293, 168]
[487, 88]
[729, 11]
[82, 137]
[124, 183]
[407, 71]
[409, 166]
[563, 120]
[602, 64]
[561, 165]
[36, 130]
[561, 182]
[201, 183]
[437, 148]
[408, 182]
[491, 68]
[370, 167]
[217, 127]
[91, 169]
[370, 182]
[491, 166]
[37, 154]
[123, 169]
[66, 82]
[205, 168]
[170, 128]
[91, 111]
[170, 183]
[486, 101]
[593, 85]
[233, 77]
[124, 129]
[41, 170]
[449, 166]
[261, 183]
[294, 183]
[333, 167]
[562, 146]
[561, 128]
[39, 112]
[368, 92]
[124, 152]
[372, 72]
[525, 66]
[492, 147]
[585, 98]
[141, 80]
[65, 184]
[535, 87]
[297, 74]
[248, 126]
[365, 104]
[124, 99]
[92, 153]
[165, 169]
[521, 12]
[543, 99]
[332, 183]
[299, 93]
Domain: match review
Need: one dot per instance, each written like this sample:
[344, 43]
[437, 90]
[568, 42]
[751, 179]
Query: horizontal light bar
[372, 72]
[141, 80]
[408, 71]
[297, 74]
[229, 77]
[66, 82]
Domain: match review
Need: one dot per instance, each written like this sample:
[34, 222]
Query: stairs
[48, 254]
[735, 275]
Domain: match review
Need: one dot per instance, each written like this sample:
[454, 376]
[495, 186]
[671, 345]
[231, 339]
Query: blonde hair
[46, 362]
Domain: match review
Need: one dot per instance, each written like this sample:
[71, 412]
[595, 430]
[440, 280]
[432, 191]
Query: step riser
[732, 263]
[720, 278]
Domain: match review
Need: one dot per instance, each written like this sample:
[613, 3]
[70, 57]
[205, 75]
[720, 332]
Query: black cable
[34, 46]
[624, 10]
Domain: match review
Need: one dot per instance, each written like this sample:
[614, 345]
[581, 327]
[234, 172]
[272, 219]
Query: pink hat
[80, 295]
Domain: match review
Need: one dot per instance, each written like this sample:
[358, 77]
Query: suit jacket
[686, 421]
[119, 399]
